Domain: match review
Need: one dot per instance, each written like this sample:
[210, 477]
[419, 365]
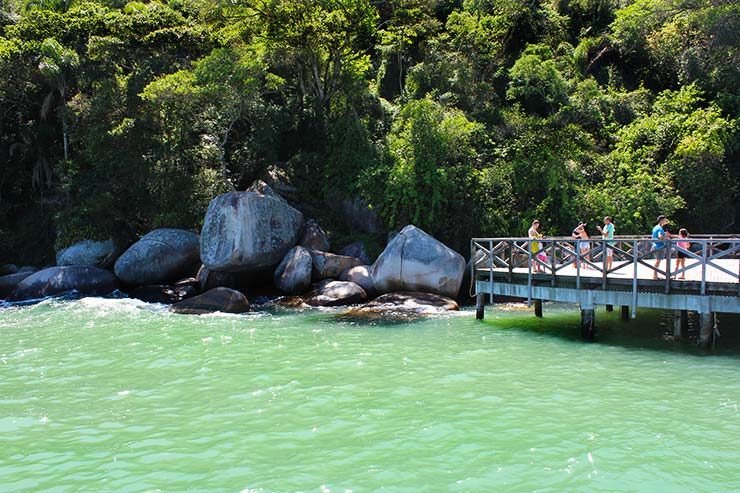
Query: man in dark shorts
[660, 249]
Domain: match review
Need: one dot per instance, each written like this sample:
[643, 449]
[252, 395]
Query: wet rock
[313, 237]
[30, 268]
[360, 275]
[209, 279]
[7, 269]
[293, 275]
[188, 281]
[415, 261]
[163, 294]
[10, 281]
[330, 266]
[356, 250]
[59, 280]
[159, 257]
[248, 231]
[216, 300]
[335, 293]
[95, 253]
[403, 306]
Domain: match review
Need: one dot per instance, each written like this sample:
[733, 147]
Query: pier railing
[709, 260]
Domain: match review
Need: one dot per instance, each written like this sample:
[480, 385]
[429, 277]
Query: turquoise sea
[122, 396]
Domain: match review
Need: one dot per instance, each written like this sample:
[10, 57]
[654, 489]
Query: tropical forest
[463, 117]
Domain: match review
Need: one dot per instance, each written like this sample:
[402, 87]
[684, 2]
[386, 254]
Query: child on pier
[582, 243]
[683, 235]
[534, 234]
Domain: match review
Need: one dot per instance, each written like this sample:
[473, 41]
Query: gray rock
[357, 250]
[209, 279]
[293, 275]
[6, 269]
[95, 253]
[158, 293]
[313, 237]
[360, 275]
[216, 300]
[30, 268]
[58, 280]
[159, 257]
[403, 306]
[414, 261]
[330, 266]
[10, 281]
[247, 231]
[335, 293]
[261, 188]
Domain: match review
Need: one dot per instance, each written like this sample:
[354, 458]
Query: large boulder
[335, 293]
[96, 253]
[360, 275]
[403, 306]
[6, 269]
[247, 231]
[159, 257]
[53, 281]
[10, 281]
[330, 265]
[313, 237]
[293, 275]
[415, 261]
[216, 300]
[357, 250]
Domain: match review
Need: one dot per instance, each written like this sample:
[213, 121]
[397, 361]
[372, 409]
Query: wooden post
[680, 325]
[706, 329]
[610, 308]
[588, 323]
[624, 313]
[480, 305]
[538, 308]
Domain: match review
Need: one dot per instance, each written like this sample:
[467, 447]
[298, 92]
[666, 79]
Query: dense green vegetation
[465, 117]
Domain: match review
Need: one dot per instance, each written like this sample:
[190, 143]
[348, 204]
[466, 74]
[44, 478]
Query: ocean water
[122, 396]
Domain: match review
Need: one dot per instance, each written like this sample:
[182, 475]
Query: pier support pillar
[480, 306]
[681, 325]
[624, 313]
[610, 308]
[538, 308]
[706, 329]
[588, 323]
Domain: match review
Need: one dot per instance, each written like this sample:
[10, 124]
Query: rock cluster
[253, 240]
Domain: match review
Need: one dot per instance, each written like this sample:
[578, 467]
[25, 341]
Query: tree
[537, 84]
[434, 154]
[58, 65]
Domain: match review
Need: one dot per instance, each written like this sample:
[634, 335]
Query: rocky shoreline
[253, 241]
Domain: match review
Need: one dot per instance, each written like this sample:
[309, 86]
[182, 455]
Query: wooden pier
[559, 270]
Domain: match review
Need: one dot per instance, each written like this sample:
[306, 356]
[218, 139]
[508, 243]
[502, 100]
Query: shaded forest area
[463, 117]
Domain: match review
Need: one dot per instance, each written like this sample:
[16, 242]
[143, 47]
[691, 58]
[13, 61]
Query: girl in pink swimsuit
[681, 256]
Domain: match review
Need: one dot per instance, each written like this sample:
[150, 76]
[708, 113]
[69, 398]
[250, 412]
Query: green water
[116, 395]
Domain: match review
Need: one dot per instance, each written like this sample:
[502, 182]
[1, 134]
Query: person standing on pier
[607, 233]
[534, 246]
[582, 244]
[660, 249]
